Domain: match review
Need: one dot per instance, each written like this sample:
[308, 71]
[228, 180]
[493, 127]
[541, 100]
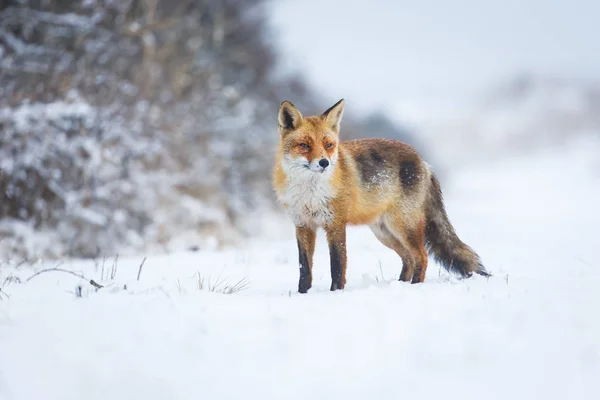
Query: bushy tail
[443, 243]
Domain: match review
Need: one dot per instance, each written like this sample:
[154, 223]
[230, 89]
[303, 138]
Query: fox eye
[328, 145]
[304, 146]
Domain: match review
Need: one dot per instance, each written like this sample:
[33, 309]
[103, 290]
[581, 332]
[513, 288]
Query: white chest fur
[307, 196]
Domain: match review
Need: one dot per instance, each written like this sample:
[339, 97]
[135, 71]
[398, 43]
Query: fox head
[310, 143]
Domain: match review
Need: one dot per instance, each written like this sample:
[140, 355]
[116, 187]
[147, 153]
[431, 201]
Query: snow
[530, 331]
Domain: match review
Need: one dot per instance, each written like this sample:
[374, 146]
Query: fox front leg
[306, 238]
[336, 238]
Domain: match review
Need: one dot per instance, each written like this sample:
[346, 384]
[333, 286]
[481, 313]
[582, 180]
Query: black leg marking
[336, 267]
[305, 273]
[417, 273]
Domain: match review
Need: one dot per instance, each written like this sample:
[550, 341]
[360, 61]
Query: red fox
[325, 183]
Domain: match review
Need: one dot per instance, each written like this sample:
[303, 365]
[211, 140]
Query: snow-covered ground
[531, 331]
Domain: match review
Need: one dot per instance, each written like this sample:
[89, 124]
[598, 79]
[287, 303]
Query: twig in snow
[4, 294]
[140, 270]
[91, 281]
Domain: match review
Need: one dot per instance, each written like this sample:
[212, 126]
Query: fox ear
[334, 115]
[289, 116]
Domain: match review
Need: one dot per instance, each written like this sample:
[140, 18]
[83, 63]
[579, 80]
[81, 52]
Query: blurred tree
[125, 123]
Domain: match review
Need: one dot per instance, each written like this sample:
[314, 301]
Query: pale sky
[415, 54]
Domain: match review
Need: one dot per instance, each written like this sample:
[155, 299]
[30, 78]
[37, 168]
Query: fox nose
[323, 163]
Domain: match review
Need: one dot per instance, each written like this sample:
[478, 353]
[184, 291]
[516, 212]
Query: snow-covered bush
[126, 124]
[68, 174]
[135, 124]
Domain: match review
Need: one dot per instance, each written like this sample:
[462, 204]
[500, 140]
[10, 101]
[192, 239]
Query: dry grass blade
[381, 271]
[115, 266]
[242, 284]
[140, 270]
[218, 283]
[103, 264]
[221, 286]
[200, 281]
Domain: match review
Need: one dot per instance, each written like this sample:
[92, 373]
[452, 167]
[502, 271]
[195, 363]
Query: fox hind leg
[412, 237]
[336, 238]
[416, 238]
[388, 239]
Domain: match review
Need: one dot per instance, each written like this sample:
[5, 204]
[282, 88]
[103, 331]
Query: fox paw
[304, 285]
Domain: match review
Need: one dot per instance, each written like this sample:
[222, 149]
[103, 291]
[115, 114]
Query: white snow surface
[531, 331]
